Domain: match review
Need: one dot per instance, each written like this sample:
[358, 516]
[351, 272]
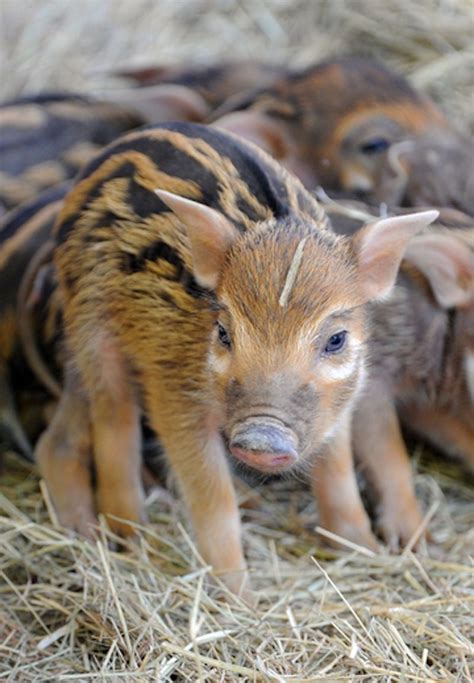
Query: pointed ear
[448, 264]
[210, 234]
[160, 103]
[380, 247]
[265, 132]
[271, 135]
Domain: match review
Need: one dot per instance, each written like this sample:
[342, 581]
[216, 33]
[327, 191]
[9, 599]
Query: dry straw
[67, 44]
[70, 610]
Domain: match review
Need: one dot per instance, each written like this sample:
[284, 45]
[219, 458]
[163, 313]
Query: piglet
[421, 371]
[202, 287]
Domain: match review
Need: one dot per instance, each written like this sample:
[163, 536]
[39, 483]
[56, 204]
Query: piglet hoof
[358, 535]
[122, 511]
[74, 511]
[238, 583]
[125, 529]
[79, 520]
[400, 525]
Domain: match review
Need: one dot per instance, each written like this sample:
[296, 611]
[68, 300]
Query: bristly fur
[172, 253]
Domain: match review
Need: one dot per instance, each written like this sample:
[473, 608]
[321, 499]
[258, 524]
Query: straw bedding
[70, 610]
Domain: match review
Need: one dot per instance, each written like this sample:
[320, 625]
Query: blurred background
[71, 45]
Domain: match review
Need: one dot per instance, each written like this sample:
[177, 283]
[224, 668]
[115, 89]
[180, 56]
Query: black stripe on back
[135, 263]
[65, 227]
[167, 158]
[267, 187]
[108, 217]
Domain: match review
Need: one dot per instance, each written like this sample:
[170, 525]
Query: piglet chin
[265, 462]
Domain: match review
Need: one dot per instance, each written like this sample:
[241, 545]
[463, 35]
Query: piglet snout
[264, 446]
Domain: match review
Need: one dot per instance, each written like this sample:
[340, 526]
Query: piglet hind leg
[116, 434]
[64, 458]
[197, 457]
[381, 451]
[334, 484]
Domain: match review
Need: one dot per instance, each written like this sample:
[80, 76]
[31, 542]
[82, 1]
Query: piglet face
[370, 151]
[289, 346]
[287, 350]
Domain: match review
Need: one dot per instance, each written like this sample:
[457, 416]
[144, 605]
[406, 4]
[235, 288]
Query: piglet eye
[223, 336]
[374, 146]
[336, 342]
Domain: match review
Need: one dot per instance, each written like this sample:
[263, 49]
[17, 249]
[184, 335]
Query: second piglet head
[331, 123]
[286, 356]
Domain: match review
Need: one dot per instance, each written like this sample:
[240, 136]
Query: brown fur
[418, 368]
[23, 233]
[318, 122]
[433, 169]
[144, 290]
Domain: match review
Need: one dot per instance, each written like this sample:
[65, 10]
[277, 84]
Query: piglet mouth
[265, 461]
[265, 446]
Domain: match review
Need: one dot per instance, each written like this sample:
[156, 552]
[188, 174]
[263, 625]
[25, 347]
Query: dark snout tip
[264, 447]
[262, 438]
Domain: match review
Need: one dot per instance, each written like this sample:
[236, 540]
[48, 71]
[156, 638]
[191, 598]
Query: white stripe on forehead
[292, 272]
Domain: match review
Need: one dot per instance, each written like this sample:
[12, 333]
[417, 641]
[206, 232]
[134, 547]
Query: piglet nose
[264, 446]
[265, 438]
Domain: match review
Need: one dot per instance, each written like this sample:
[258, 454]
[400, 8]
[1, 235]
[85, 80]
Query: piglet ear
[448, 264]
[210, 234]
[264, 131]
[380, 247]
[159, 103]
[271, 135]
